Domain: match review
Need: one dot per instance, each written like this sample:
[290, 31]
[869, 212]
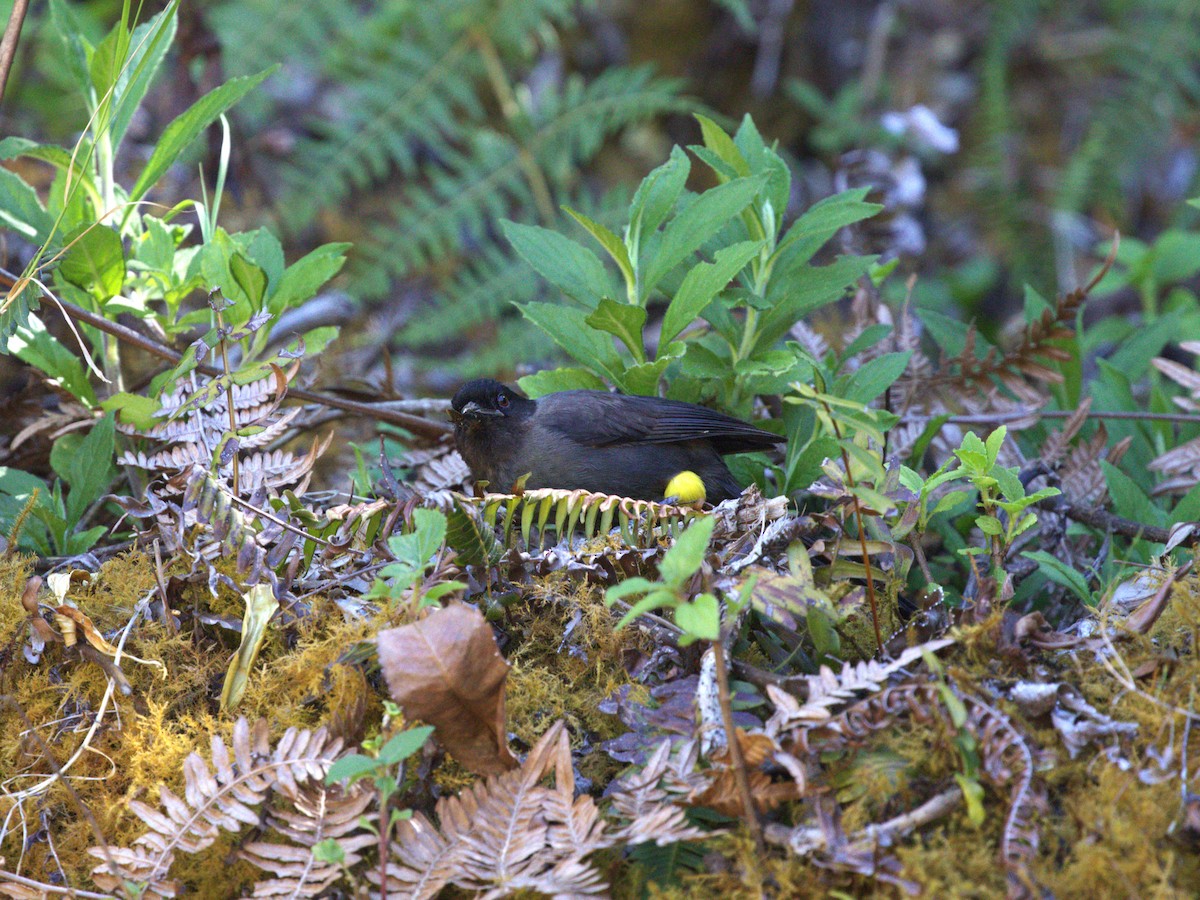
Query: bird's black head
[487, 399]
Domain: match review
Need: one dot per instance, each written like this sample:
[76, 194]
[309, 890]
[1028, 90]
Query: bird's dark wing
[599, 419]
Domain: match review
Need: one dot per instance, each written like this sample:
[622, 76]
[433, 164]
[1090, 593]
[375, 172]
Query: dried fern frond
[317, 813]
[827, 689]
[510, 832]
[1180, 465]
[228, 796]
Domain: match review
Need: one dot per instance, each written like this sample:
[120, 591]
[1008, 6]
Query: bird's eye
[502, 401]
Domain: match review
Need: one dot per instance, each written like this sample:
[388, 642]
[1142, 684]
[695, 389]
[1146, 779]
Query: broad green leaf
[702, 283]
[948, 333]
[1129, 500]
[69, 29]
[611, 243]
[1060, 573]
[876, 376]
[1175, 256]
[764, 159]
[656, 599]
[989, 525]
[694, 225]
[95, 261]
[657, 194]
[702, 362]
[21, 210]
[187, 127]
[32, 344]
[768, 362]
[817, 286]
[86, 464]
[573, 269]
[700, 619]
[623, 320]
[303, 278]
[404, 745]
[263, 249]
[868, 337]
[685, 556]
[642, 379]
[133, 409]
[819, 223]
[567, 328]
[619, 591]
[250, 278]
[352, 767]
[429, 525]
[550, 381]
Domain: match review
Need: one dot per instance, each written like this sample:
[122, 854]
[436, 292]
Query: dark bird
[597, 441]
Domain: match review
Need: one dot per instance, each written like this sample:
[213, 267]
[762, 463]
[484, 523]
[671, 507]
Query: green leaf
[815, 287]
[642, 379]
[188, 126]
[610, 242]
[657, 195]
[403, 745]
[95, 261]
[303, 278]
[875, 376]
[948, 333]
[69, 29]
[1060, 573]
[618, 591]
[700, 619]
[994, 442]
[86, 464]
[353, 767]
[414, 549]
[567, 328]
[702, 282]
[656, 599]
[716, 140]
[623, 320]
[1129, 500]
[21, 210]
[696, 224]
[32, 344]
[250, 278]
[146, 50]
[572, 268]
[550, 381]
[821, 222]
[429, 525]
[990, 526]
[133, 409]
[868, 337]
[685, 556]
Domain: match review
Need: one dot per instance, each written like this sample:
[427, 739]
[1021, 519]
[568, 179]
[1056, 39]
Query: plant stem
[737, 760]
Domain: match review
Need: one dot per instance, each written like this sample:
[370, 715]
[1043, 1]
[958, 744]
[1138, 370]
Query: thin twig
[8, 44]
[736, 759]
[424, 427]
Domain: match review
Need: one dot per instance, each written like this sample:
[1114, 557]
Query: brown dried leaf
[447, 670]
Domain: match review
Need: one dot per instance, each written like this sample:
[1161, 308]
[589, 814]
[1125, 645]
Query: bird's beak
[473, 409]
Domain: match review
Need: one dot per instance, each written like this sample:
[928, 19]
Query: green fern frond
[471, 191]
